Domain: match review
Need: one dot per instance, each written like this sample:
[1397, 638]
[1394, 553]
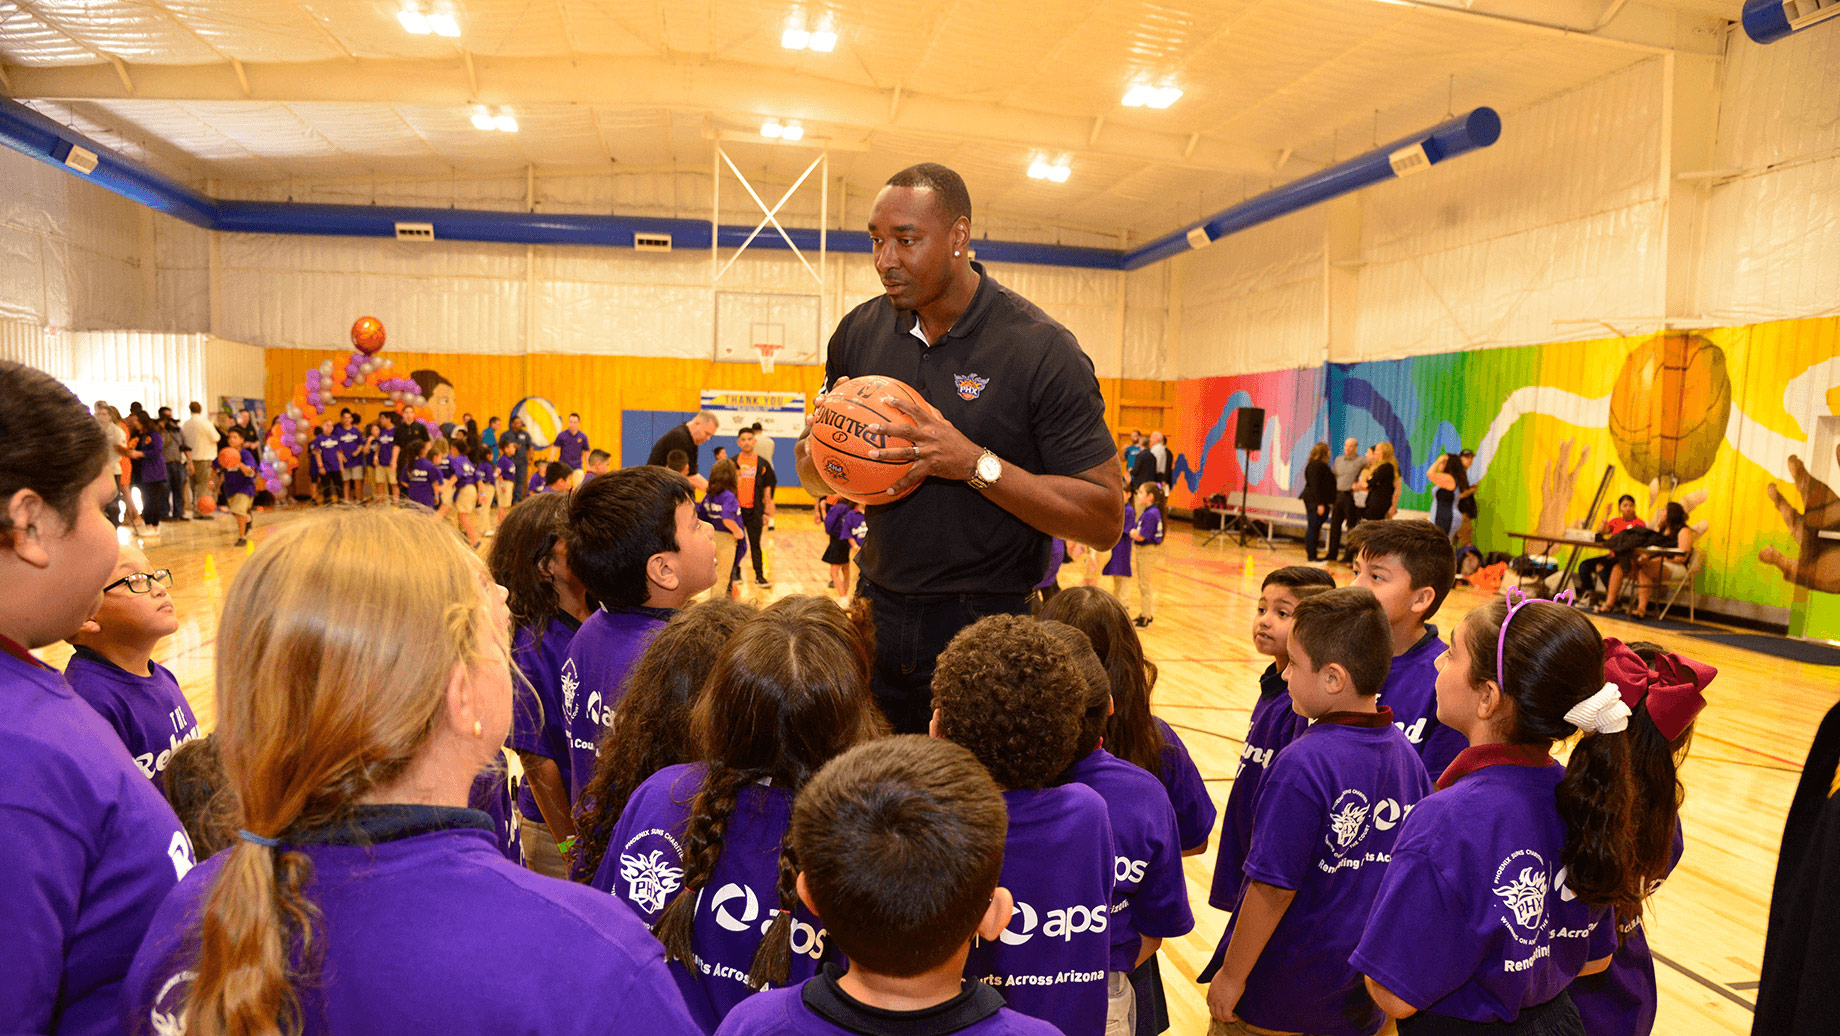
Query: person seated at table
[1650, 568]
[1593, 571]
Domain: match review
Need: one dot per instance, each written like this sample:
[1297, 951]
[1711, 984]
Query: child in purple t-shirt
[1147, 536]
[701, 852]
[635, 543]
[1326, 817]
[548, 604]
[1495, 902]
[419, 922]
[1009, 691]
[1149, 893]
[654, 728]
[238, 484]
[113, 668]
[900, 845]
[1409, 565]
[1274, 723]
[722, 510]
[1666, 693]
[1118, 565]
[845, 525]
[421, 477]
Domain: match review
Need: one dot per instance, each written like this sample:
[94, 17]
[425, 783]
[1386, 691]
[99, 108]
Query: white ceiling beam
[675, 84]
[1639, 27]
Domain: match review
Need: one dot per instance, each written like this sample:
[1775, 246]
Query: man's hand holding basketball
[939, 449]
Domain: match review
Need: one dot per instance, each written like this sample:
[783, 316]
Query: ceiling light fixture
[482, 119]
[417, 22]
[772, 129]
[822, 38]
[794, 131]
[504, 121]
[1055, 172]
[444, 25]
[1145, 96]
[414, 22]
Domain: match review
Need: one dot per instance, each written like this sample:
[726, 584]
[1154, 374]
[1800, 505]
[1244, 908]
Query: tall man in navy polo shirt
[1014, 453]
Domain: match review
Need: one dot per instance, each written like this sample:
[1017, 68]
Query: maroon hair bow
[1672, 689]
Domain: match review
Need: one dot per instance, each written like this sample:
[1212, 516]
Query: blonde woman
[1381, 483]
[358, 699]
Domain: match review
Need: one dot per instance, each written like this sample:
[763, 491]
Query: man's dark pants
[1345, 512]
[752, 519]
[910, 632]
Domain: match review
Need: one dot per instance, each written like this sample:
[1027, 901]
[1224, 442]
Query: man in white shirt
[200, 438]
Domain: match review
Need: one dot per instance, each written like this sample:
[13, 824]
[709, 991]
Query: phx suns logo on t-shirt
[570, 681]
[970, 386]
[1522, 882]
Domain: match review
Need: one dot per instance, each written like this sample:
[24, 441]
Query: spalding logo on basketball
[841, 442]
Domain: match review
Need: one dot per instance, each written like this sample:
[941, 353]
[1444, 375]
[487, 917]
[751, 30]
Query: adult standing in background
[1318, 496]
[1381, 483]
[489, 437]
[1131, 451]
[686, 437]
[1152, 464]
[755, 481]
[246, 423]
[147, 448]
[572, 444]
[1347, 469]
[763, 445]
[201, 441]
[1011, 452]
[1450, 474]
[521, 459]
[175, 465]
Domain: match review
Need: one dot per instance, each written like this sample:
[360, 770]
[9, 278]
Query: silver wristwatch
[987, 471]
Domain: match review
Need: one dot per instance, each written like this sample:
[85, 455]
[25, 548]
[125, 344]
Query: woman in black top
[1318, 495]
[1455, 497]
[1381, 480]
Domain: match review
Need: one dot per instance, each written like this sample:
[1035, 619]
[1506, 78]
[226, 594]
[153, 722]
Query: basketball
[840, 446]
[229, 459]
[367, 335]
[207, 505]
[1670, 406]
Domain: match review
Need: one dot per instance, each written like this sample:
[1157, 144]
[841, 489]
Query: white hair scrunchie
[1601, 713]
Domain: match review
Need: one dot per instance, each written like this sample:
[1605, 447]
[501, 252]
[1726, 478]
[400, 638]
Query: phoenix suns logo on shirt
[1521, 883]
[167, 1016]
[1348, 822]
[651, 877]
[570, 681]
[970, 386]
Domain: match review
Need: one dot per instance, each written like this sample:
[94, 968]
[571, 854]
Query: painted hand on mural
[1556, 484]
[1817, 564]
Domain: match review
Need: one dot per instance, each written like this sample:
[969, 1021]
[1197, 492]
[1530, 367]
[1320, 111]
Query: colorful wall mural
[1722, 419]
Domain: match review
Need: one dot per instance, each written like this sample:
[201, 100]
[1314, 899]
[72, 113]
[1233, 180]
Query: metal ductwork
[1766, 21]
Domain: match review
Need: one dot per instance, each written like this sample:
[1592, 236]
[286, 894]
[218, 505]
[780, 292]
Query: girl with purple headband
[1508, 883]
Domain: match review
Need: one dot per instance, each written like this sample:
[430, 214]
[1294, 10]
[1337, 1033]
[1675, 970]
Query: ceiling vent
[651, 242]
[415, 231]
[82, 160]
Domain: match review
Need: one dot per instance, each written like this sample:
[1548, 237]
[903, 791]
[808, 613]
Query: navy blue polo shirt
[1015, 382]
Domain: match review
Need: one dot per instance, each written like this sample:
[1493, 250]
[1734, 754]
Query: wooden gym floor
[1706, 925]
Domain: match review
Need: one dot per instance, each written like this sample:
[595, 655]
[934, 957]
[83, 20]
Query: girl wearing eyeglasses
[92, 848]
[113, 668]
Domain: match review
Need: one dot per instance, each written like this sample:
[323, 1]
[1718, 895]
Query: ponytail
[709, 817]
[255, 920]
[773, 957]
[1597, 803]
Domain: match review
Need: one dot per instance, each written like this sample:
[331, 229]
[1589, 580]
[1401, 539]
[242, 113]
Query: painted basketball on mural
[1669, 407]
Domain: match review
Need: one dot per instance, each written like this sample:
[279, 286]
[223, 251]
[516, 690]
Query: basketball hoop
[766, 350]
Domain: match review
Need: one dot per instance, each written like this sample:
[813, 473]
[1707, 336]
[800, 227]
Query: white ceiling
[266, 90]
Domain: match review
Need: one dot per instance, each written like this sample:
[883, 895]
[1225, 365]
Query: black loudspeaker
[1249, 433]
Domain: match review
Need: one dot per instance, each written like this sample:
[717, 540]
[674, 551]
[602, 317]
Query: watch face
[988, 468]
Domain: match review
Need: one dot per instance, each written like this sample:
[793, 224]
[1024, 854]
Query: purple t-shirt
[1328, 814]
[537, 724]
[492, 794]
[385, 447]
[784, 1012]
[845, 522]
[570, 446]
[1050, 962]
[1188, 793]
[593, 677]
[507, 468]
[1274, 725]
[92, 849]
[436, 932]
[1149, 893]
[149, 713]
[719, 507]
[236, 482]
[1410, 691]
[1150, 526]
[1119, 564]
[644, 868]
[328, 451]
[537, 484]
[351, 445]
[465, 474]
[151, 465]
[1621, 999]
[1472, 919]
[421, 481]
[1057, 555]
